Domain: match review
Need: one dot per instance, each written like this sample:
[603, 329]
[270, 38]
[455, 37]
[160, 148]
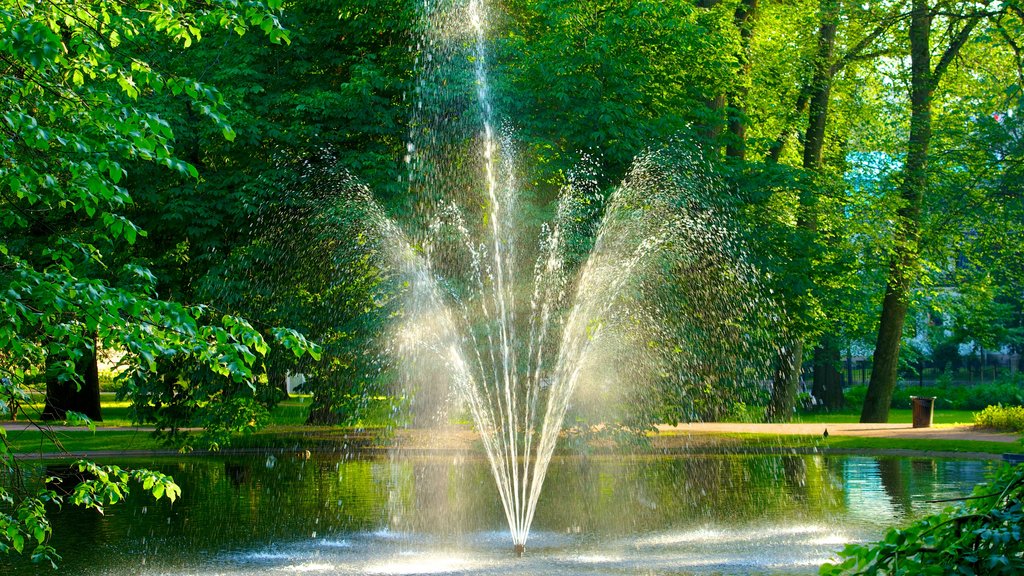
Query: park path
[954, 432]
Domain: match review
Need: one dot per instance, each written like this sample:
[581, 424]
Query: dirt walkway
[955, 432]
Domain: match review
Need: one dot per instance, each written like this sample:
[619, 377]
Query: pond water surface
[696, 514]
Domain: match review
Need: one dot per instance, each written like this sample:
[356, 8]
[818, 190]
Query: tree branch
[865, 42]
[954, 47]
[1016, 50]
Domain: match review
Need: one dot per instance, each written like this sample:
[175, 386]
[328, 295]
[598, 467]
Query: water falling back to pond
[633, 299]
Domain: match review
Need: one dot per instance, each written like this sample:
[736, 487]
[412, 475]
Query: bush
[1010, 418]
[980, 536]
[109, 381]
[854, 397]
[949, 397]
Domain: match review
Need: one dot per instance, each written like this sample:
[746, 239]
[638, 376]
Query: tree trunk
[79, 395]
[785, 383]
[904, 264]
[744, 16]
[821, 87]
[828, 381]
[817, 96]
[711, 129]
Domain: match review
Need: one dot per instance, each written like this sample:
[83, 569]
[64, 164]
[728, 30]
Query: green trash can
[924, 407]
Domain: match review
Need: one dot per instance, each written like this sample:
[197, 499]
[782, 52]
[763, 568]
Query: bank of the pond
[708, 438]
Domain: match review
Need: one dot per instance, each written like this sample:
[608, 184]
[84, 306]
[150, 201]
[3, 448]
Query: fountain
[518, 355]
[636, 306]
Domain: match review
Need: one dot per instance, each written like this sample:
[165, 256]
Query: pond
[694, 514]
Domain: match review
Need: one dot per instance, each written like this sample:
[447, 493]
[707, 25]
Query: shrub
[854, 397]
[980, 536]
[1000, 417]
[949, 397]
[109, 381]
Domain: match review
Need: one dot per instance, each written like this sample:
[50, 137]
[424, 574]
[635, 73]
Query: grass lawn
[115, 413]
[895, 417]
[858, 443]
[287, 431]
[292, 411]
[322, 438]
[29, 442]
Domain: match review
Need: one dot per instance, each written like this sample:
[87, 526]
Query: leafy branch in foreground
[24, 525]
[980, 536]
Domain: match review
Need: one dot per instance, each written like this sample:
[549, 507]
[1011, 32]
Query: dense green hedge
[1008, 392]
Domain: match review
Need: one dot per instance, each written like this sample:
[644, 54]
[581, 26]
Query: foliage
[953, 397]
[322, 252]
[24, 526]
[255, 236]
[610, 79]
[76, 89]
[999, 417]
[75, 117]
[980, 536]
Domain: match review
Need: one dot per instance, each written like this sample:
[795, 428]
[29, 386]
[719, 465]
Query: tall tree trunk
[828, 381]
[817, 97]
[81, 396]
[904, 263]
[786, 382]
[743, 18]
[711, 129]
[821, 87]
[828, 384]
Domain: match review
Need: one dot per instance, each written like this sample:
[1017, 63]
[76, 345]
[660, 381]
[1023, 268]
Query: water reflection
[642, 515]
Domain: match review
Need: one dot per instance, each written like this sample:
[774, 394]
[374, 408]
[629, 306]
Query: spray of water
[515, 343]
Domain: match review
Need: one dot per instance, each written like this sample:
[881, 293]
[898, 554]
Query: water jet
[519, 338]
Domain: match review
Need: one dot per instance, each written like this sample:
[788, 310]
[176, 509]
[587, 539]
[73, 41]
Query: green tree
[608, 79]
[75, 84]
[263, 233]
[905, 263]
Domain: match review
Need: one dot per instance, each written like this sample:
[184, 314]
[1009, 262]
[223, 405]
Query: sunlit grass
[287, 430]
[770, 442]
[33, 441]
[896, 416]
[121, 413]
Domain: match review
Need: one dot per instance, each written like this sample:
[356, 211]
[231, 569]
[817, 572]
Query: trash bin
[923, 408]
